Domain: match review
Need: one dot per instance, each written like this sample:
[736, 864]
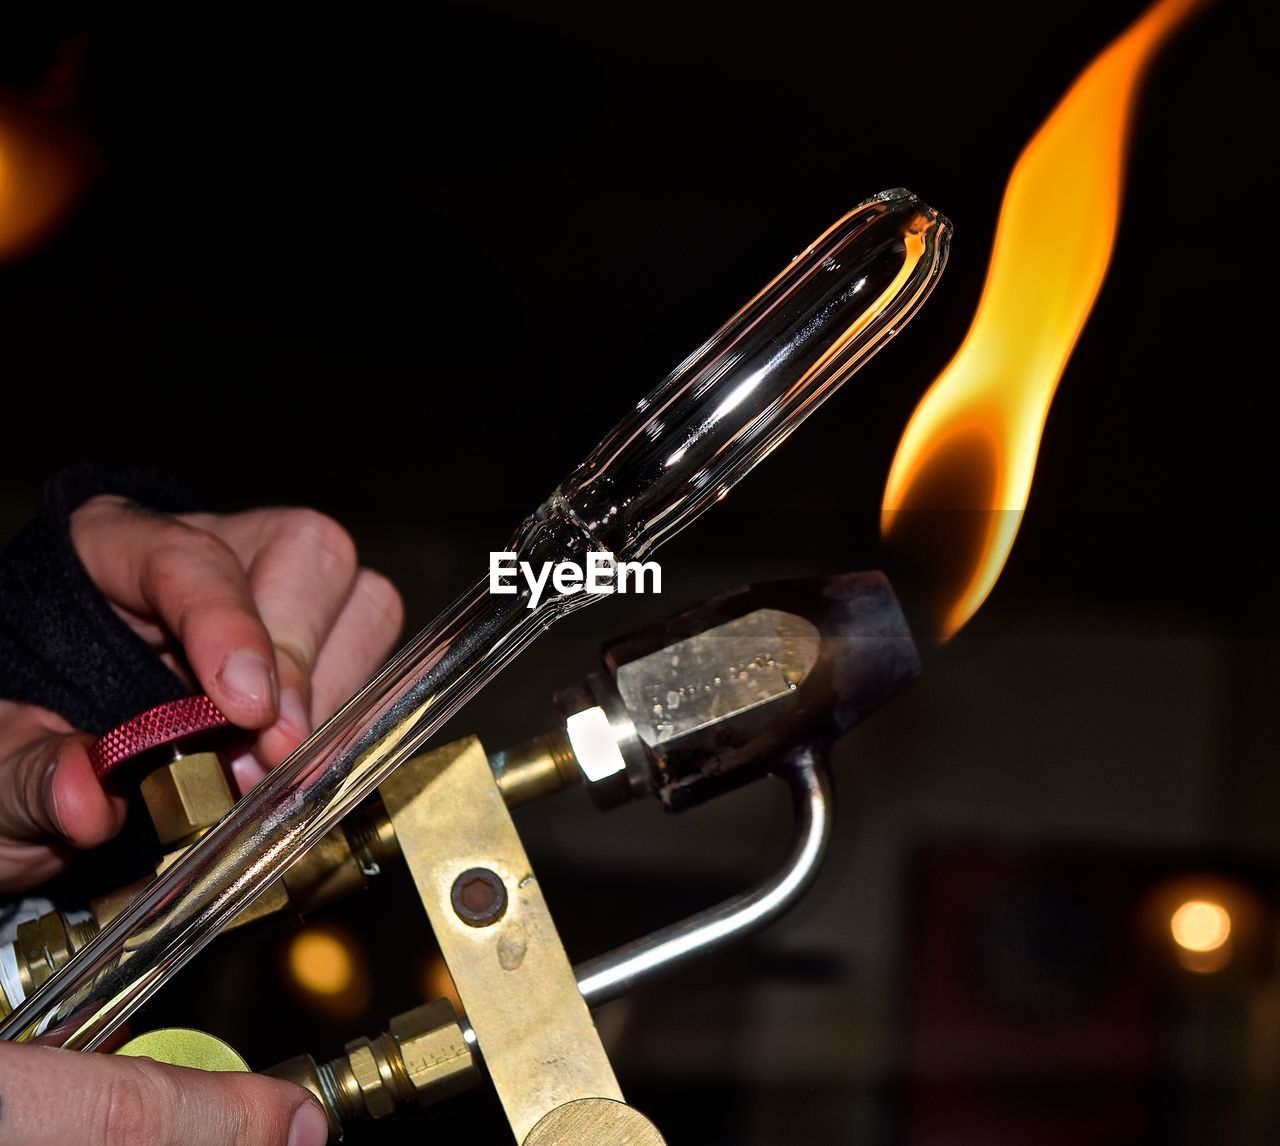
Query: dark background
[408, 266]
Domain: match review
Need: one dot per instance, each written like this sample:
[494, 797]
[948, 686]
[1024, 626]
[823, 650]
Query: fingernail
[309, 1126]
[247, 771]
[293, 712]
[247, 675]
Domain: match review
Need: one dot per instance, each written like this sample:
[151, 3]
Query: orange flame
[972, 442]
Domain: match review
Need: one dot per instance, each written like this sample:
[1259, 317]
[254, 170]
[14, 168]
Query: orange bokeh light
[1200, 925]
[326, 967]
[321, 963]
[45, 166]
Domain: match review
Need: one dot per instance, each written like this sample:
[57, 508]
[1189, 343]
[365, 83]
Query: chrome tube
[681, 449]
[609, 976]
[622, 970]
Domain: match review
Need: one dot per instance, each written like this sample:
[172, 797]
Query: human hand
[49, 1097]
[270, 610]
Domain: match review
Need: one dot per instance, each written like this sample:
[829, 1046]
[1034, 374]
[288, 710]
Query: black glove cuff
[62, 646]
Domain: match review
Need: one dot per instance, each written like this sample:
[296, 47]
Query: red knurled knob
[164, 724]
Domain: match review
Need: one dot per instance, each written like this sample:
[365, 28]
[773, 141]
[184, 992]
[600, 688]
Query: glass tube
[719, 413]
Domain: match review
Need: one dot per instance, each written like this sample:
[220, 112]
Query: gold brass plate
[539, 1042]
[595, 1122]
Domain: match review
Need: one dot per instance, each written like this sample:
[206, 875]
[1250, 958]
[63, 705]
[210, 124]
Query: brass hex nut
[41, 947]
[367, 1072]
[436, 1057]
[187, 795]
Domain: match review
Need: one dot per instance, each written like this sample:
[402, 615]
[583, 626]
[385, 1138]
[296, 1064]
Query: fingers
[192, 582]
[50, 800]
[51, 1097]
[362, 638]
[332, 623]
[301, 579]
[276, 619]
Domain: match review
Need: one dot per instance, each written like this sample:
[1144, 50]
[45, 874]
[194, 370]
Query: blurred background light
[327, 968]
[1200, 925]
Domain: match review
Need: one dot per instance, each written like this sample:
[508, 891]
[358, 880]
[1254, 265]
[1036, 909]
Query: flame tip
[1053, 245]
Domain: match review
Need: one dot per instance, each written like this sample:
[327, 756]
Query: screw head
[479, 897]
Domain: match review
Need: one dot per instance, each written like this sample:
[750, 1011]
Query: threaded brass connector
[41, 946]
[422, 1057]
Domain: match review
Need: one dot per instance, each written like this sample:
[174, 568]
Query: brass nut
[436, 1057]
[42, 946]
[365, 1069]
[187, 795]
[422, 1056]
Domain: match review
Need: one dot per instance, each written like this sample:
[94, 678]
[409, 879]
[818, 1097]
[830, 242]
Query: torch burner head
[715, 696]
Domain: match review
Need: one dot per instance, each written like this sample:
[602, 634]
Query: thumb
[53, 1096]
[48, 791]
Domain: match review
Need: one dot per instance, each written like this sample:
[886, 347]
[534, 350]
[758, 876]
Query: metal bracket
[538, 1039]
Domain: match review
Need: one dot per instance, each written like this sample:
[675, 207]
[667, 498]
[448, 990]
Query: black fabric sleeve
[62, 646]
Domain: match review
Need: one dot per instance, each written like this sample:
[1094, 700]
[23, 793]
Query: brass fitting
[335, 867]
[342, 859]
[422, 1057]
[186, 796]
[189, 794]
[42, 946]
[535, 768]
[434, 1052]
